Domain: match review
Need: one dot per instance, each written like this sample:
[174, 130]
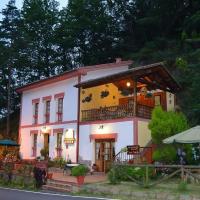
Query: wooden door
[104, 152]
[46, 141]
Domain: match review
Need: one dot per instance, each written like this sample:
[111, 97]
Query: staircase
[59, 186]
[135, 155]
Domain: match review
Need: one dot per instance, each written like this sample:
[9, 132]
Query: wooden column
[78, 120]
[135, 97]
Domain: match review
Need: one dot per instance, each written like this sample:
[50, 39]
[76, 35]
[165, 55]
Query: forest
[41, 40]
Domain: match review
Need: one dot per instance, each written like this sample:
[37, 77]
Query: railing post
[182, 173]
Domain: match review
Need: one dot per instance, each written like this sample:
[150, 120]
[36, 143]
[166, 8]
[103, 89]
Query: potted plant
[80, 171]
[49, 175]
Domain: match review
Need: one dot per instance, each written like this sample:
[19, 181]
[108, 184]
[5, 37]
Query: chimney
[118, 60]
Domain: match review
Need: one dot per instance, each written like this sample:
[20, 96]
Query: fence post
[182, 173]
[146, 176]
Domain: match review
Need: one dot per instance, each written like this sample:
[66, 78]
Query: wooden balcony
[116, 112]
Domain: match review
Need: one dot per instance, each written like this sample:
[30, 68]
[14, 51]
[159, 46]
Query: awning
[189, 136]
[156, 76]
[8, 143]
[103, 136]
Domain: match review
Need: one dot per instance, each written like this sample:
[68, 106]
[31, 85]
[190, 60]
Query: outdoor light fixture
[101, 126]
[128, 84]
[44, 129]
[69, 137]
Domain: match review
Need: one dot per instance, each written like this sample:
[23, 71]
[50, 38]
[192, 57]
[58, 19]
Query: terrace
[134, 92]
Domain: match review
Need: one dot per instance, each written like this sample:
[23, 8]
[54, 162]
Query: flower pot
[80, 180]
[49, 175]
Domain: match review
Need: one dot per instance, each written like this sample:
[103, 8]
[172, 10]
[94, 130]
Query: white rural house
[91, 113]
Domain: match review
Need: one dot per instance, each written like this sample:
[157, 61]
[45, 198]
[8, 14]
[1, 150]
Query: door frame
[101, 163]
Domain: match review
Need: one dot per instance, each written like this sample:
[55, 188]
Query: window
[60, 110]
[34, 145]
[59, 145]
[35, 115]
[157, 99]
[47, 112]
[59, 140]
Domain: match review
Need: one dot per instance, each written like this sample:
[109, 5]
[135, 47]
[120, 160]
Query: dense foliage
[121, 173]
[163, 125]
[40, 40]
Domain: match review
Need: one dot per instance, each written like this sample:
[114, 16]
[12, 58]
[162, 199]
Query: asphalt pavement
[14, 194]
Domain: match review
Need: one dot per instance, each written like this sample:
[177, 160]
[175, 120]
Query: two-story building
[91, 113]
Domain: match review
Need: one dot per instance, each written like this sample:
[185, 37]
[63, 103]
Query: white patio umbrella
[189, 136]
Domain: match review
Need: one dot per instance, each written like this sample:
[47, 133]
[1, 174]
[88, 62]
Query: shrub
[8, 167]
[162, 125]
[165, 124]
[125, 173]
[115, 175]
[182, 186]
[165, 155]
[44, 152]
[80, 170]
[58, 162]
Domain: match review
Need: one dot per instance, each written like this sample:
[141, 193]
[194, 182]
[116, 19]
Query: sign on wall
[69, 137]
[133, 149]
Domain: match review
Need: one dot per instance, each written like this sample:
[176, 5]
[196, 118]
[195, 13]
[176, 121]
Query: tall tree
[40, 19]
[91, 30]
[9, 44]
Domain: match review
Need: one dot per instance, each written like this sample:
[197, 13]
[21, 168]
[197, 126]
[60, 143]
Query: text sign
[133, 149]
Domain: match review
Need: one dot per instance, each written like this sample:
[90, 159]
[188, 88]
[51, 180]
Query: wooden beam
[154, 85]
[135, 97]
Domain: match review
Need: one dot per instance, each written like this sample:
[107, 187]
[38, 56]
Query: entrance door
[46, 141]
[104, 154]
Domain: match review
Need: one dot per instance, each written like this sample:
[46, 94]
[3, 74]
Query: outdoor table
[69, 167]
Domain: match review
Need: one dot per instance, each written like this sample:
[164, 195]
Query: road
[12, 194]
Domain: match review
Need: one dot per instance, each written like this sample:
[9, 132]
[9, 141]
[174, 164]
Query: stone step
[61, 185]
[56, 188]
[98, 173]
[54, 181]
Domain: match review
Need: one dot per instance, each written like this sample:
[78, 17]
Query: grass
[124, 190]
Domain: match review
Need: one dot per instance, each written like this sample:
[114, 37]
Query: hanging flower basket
[125, 92]
[149, 95]
[104, 94]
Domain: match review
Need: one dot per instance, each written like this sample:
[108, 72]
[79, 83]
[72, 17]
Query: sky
[19, 3]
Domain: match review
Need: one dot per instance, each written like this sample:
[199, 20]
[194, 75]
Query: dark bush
[125, 173]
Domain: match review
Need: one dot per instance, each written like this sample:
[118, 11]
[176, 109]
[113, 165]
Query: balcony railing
[116, 112]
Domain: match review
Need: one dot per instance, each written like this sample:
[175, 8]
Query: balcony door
[104, 154]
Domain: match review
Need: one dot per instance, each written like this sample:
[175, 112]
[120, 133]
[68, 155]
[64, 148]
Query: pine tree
[9, 44]
[40, 19]
[90, 30]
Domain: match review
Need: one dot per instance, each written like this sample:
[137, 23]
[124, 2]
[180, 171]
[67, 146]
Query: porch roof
[155, 76]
